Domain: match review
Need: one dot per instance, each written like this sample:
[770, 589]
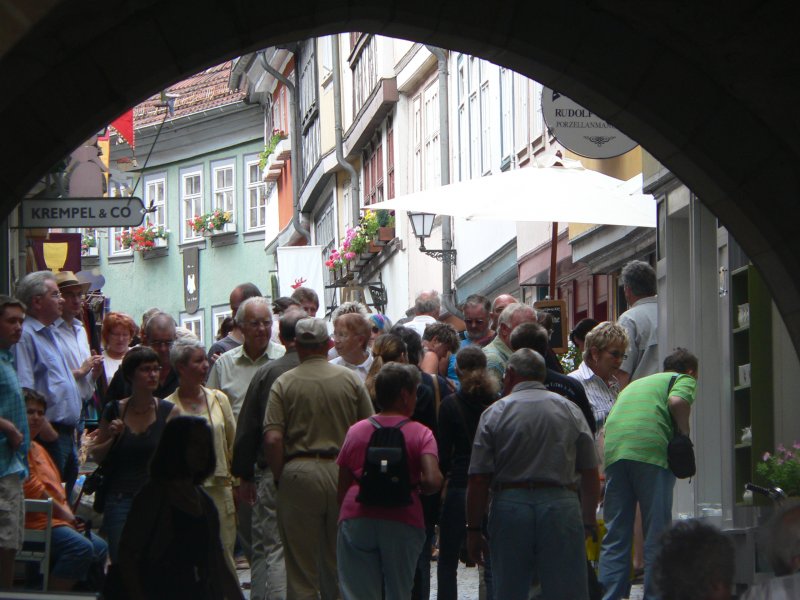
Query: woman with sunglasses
[603, 353]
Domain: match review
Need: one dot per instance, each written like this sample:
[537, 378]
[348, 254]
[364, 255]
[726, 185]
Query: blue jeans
[451, 537]
[65, 456]
[73, 553]
[375, 552]
[629, 482]
[114, 516]
[537, 532]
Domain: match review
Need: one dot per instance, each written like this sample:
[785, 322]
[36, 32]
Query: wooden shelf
[752, 403]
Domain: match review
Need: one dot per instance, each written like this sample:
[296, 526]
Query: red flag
[124, 126]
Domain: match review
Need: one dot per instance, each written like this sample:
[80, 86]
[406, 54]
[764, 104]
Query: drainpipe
[295, 151]
[355, 204]
[444, 153]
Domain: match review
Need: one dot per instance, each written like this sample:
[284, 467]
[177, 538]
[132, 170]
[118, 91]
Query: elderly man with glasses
[478, 319]
[159, 334]
[42, 366]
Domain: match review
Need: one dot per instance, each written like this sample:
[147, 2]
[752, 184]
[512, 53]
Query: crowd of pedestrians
[337, 465]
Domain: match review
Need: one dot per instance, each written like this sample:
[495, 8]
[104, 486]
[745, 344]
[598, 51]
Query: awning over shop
[566, 194]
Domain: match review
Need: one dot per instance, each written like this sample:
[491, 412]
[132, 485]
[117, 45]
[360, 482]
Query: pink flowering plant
[782, 469]
[356, 240]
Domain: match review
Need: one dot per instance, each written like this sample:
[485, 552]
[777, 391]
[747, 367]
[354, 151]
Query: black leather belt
[327, 455]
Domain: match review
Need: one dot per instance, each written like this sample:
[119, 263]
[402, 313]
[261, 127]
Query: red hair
[117, 319]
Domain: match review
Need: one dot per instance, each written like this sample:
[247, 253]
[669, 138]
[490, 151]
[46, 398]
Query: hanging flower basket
[210, 223]
[144, 238]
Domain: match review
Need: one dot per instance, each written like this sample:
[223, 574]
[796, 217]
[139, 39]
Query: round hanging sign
[580, 130]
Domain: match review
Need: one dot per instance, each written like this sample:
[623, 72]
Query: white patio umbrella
[567, 193]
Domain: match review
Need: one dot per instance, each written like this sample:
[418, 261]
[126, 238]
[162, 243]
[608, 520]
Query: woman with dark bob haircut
[171, 546]
[127, 437]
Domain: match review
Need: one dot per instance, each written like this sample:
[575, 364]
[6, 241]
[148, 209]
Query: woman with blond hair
[603, 353]
[458, 421]
[351, 335]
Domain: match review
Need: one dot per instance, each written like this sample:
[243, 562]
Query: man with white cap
[86, 366]
[309, 411]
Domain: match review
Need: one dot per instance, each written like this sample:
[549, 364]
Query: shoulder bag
[680, 450]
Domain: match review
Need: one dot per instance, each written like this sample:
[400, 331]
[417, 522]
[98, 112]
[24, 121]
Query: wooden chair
[36, 542]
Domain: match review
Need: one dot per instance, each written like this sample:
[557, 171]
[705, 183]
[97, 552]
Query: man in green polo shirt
[638, 430]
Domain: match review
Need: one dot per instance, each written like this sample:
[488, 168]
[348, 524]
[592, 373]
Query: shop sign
[81, 212]
[191, 279]
[580, 130]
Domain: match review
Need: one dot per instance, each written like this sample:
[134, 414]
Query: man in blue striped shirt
[42, 366]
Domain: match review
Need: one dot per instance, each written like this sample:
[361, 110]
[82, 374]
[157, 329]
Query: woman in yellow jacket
[188, 357]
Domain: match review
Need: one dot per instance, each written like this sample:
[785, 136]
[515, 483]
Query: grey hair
[428, 302]
[640, 278]
[479, 301]
[528, 364]
[182, 349]
[350, 307]
[254, 301]
[509, 311]
[33, 284]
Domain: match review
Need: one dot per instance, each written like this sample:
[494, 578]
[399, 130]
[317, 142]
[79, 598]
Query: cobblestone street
[468, 584]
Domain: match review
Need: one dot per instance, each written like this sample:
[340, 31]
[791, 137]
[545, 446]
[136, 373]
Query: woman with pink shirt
[378, 546]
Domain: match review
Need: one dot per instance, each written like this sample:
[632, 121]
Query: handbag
[96, 482]
[680, 450]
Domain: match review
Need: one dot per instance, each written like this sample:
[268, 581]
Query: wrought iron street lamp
[422, 224]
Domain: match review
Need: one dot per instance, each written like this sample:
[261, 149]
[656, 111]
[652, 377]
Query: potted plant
[89, 243]
[143, 238]
[209, 223]
[782, 469]
[385, 225]
[269, 147]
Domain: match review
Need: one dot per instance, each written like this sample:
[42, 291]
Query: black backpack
[385, 480]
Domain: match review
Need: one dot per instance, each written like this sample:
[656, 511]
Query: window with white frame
[218, 315]
[223, 176]
[506, 113]
[155, 197]
[427, 161]
[521, 114]
[116, 234]
[537, 118]
[474, 135]
[325, 51]
[191, 201]
[193, 323]
[116, 246]
[255, 195]
[325, 236]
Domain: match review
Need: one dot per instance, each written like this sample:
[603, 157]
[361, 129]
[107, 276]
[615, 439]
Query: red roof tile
[205, 90]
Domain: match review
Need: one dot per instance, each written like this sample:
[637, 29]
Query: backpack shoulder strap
[375, 423]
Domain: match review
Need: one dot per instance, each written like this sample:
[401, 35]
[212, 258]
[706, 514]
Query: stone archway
[708, 90]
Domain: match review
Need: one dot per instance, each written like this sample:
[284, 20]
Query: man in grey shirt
[529, 448]
[640, 321]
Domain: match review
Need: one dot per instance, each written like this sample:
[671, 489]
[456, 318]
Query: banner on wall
[301, 266]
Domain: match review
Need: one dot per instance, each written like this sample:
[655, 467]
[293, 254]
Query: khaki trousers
[307, 521]
[222, 495]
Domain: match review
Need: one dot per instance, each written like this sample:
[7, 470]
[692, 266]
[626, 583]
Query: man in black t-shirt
[535, 337]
